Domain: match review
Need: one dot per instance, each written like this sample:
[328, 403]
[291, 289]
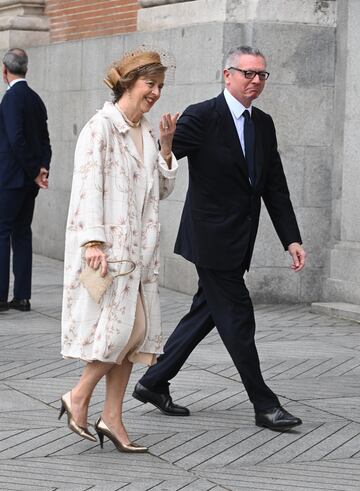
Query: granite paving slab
[312, 361]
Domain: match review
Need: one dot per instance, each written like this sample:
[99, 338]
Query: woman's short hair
[123, 74]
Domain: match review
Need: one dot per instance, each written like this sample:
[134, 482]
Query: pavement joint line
[301, 362]
[317, 443]
[346, 441]
[336, 366]
[274, 436]
[28, 395]
[176, 446]
[220, 375]
[258, 431]
[226, 398]
[312, 368]
[204, 446]
[291, 443]
[351, 369]
[307, 404]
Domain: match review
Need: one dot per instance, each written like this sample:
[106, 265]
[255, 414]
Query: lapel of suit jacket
[230, 134]
[259, 155]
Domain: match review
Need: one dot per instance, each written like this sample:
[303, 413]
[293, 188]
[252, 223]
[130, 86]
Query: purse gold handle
[131, 263]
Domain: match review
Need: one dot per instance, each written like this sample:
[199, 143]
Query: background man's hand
[298, 256]
[42, 178]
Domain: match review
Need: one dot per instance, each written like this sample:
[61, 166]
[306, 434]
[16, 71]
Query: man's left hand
[298, 256]
[42, 178]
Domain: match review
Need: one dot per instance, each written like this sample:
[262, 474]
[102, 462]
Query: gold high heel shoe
[79, 430]
[102, 430]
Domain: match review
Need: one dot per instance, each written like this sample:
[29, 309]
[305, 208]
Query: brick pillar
[78, 19]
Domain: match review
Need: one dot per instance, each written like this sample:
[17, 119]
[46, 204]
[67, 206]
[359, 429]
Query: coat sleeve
[190, 131]
[86, 214]
[14, 123]
[167, 176]
[45, 140]
[276, 196]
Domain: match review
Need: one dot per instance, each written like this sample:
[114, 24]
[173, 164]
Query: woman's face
[146, 91]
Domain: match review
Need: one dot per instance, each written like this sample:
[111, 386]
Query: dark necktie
[249, 139]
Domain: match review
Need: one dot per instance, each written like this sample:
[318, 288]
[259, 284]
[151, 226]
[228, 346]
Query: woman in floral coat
[119, 177]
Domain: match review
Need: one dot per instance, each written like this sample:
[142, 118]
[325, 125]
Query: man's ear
[226, 74]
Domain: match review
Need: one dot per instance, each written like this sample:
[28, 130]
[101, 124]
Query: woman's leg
[116, 382]
[118, 377]
[81, 393]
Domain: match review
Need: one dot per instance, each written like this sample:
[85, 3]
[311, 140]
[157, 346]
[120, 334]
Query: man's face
[243, 89]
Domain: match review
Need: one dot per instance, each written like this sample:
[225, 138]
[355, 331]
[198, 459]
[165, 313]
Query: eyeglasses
[251, 74]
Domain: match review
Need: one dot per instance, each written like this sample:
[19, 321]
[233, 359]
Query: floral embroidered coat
[114, 199]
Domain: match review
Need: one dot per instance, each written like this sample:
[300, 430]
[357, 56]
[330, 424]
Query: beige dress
[139, 330]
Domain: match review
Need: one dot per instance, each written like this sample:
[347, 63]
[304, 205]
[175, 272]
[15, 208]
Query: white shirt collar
[235, 106]
[13, 82]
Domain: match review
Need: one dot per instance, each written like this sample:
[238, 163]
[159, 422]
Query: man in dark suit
[233, 163]
[25, 155]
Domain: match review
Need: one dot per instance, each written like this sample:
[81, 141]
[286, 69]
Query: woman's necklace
[132, 124]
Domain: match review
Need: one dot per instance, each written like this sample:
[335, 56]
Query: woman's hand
[167, 129]
[95, 257]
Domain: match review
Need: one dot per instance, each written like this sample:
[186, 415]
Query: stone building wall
[312, 51]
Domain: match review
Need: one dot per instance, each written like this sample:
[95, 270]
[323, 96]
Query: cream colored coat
[114, 199]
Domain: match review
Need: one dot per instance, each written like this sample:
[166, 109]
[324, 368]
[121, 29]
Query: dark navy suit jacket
[24, 137]
[221, 212]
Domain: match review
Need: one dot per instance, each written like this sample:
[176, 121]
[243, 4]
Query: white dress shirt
[237, 109]
[13, 82]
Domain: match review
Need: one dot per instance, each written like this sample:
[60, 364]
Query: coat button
[249, 218]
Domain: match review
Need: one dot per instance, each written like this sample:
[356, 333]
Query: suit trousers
[222, 300]
[16, 213]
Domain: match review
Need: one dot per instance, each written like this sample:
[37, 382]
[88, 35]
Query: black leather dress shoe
[276, 419]
[161, 401]
[23, 305]
[3, 306]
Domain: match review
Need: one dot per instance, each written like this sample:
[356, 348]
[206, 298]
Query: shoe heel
[62, 410]
[101, 438]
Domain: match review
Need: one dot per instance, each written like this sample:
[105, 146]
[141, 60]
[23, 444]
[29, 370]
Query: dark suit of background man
[25, 154]
[233, 163]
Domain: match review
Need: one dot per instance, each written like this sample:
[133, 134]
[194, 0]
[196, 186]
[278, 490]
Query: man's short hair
[234, 53]
[16, 61]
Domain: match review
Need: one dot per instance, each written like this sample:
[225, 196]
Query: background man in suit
[25, 154]
[233, 163]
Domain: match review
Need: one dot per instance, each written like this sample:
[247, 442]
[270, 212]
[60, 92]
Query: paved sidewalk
[310, 360]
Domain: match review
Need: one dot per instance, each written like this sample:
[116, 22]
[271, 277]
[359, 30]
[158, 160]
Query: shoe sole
[144, 401]
[278, 428]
